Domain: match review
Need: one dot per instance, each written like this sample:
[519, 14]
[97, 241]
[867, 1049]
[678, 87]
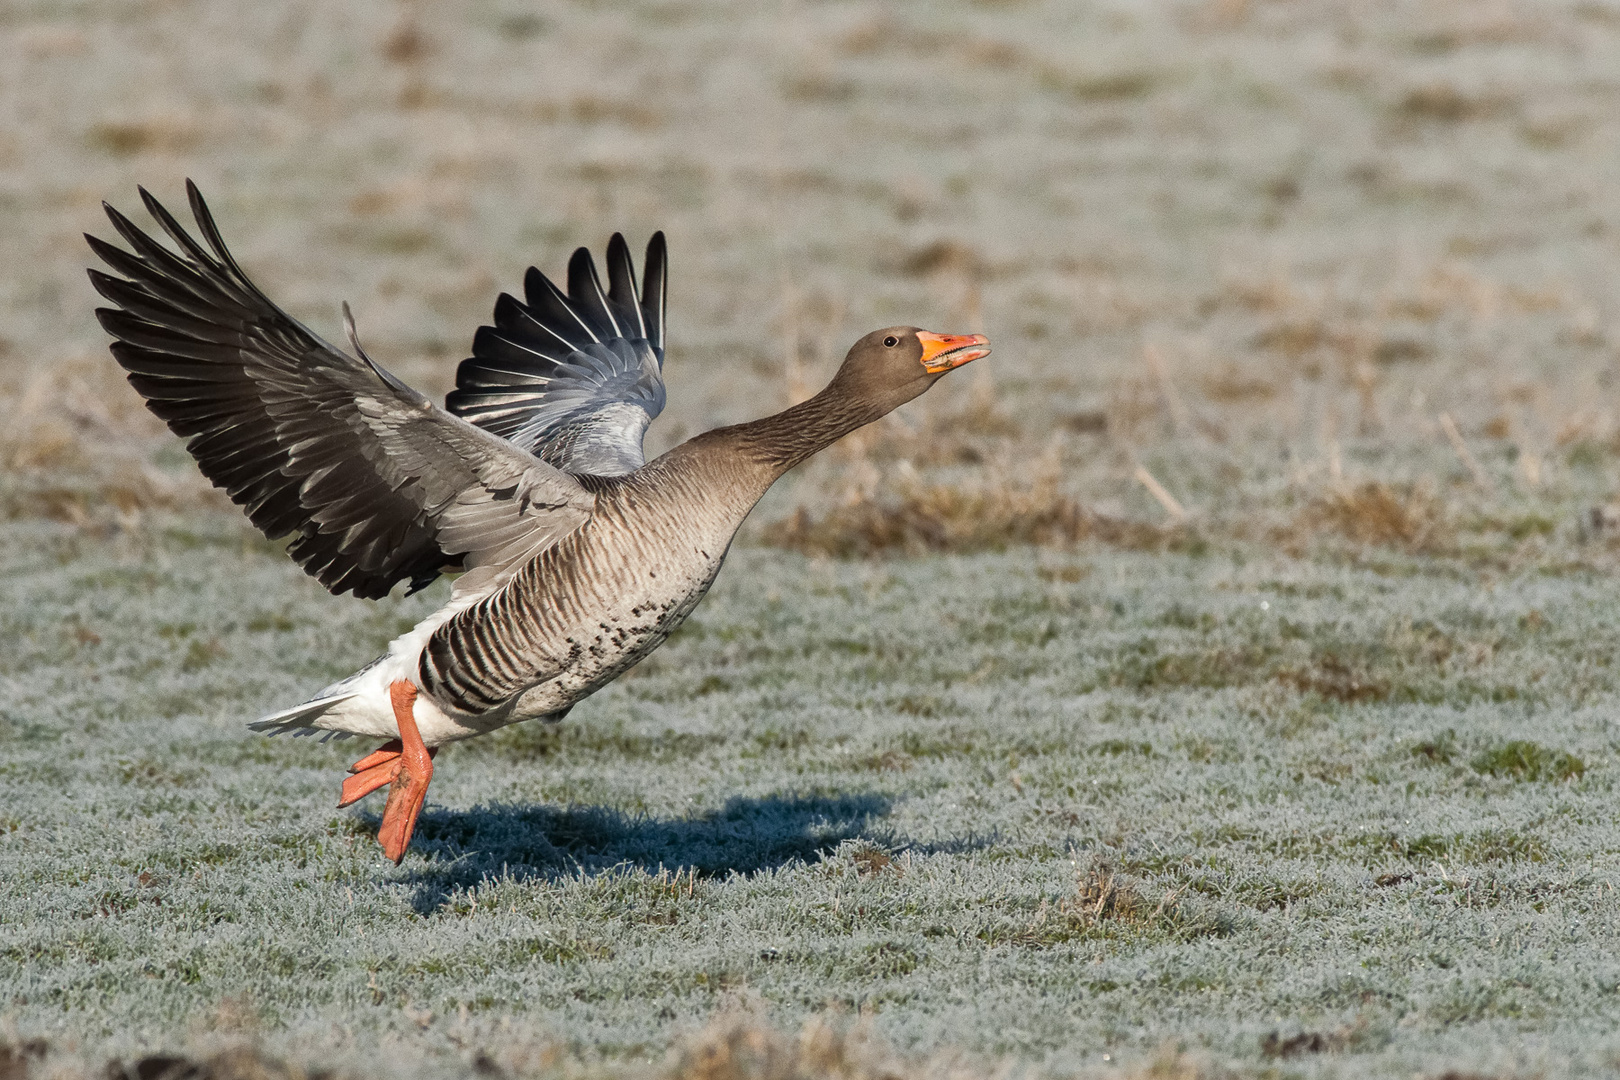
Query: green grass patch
[1525, 760]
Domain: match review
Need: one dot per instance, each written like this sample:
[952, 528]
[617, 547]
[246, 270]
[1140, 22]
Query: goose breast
[584, 611]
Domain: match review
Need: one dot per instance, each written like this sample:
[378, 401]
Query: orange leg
[405, 764]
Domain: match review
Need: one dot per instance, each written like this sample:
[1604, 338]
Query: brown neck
[738, 464]
[791, 436]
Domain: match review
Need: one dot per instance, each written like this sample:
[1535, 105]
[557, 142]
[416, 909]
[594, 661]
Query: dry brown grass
[1106, 904]
[17, 1058]
[1274, 1045]
[1445, 102]
[1231, 384]
[942, 255]
[1333, 677]
[979, 431]
[1410, 518]
[736, 1045]
[109, 494]
[160, 134]
[739, 1047]
[1104, 894]
[76, 446]
[921, 518]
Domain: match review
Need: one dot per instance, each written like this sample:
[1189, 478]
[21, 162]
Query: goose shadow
[535, 842]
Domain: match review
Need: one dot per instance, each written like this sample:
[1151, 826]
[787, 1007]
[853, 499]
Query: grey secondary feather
[576, 377]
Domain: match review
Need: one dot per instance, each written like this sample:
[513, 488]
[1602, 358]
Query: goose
[576, 556]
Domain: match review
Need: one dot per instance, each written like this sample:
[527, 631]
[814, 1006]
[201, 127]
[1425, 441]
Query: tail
[300, 719]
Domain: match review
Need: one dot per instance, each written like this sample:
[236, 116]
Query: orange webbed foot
[371, 772]
[406, 764]
[387, 752]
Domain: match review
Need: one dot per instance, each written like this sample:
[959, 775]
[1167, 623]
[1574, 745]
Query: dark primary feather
[575, 377]
[377, 484]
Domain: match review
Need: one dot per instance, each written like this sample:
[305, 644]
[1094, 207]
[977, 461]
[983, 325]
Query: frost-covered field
[1040, 806]
[1297, 753]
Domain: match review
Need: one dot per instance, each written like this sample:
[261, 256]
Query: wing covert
[376, 483]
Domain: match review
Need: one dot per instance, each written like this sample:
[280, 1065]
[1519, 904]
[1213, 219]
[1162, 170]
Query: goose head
[889, 367]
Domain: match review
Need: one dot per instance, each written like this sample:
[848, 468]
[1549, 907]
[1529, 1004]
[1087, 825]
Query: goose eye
[890, 342]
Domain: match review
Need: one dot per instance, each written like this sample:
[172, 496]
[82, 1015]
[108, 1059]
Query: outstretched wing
[574, 378]
[377, 484]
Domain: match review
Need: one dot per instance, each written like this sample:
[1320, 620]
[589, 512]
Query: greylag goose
[577, 556]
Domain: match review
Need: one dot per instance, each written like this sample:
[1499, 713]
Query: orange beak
[942, 352]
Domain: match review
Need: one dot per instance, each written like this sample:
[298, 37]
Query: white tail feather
[300, 718]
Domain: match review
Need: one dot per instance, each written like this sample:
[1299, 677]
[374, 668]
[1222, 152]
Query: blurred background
[1260, 268]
